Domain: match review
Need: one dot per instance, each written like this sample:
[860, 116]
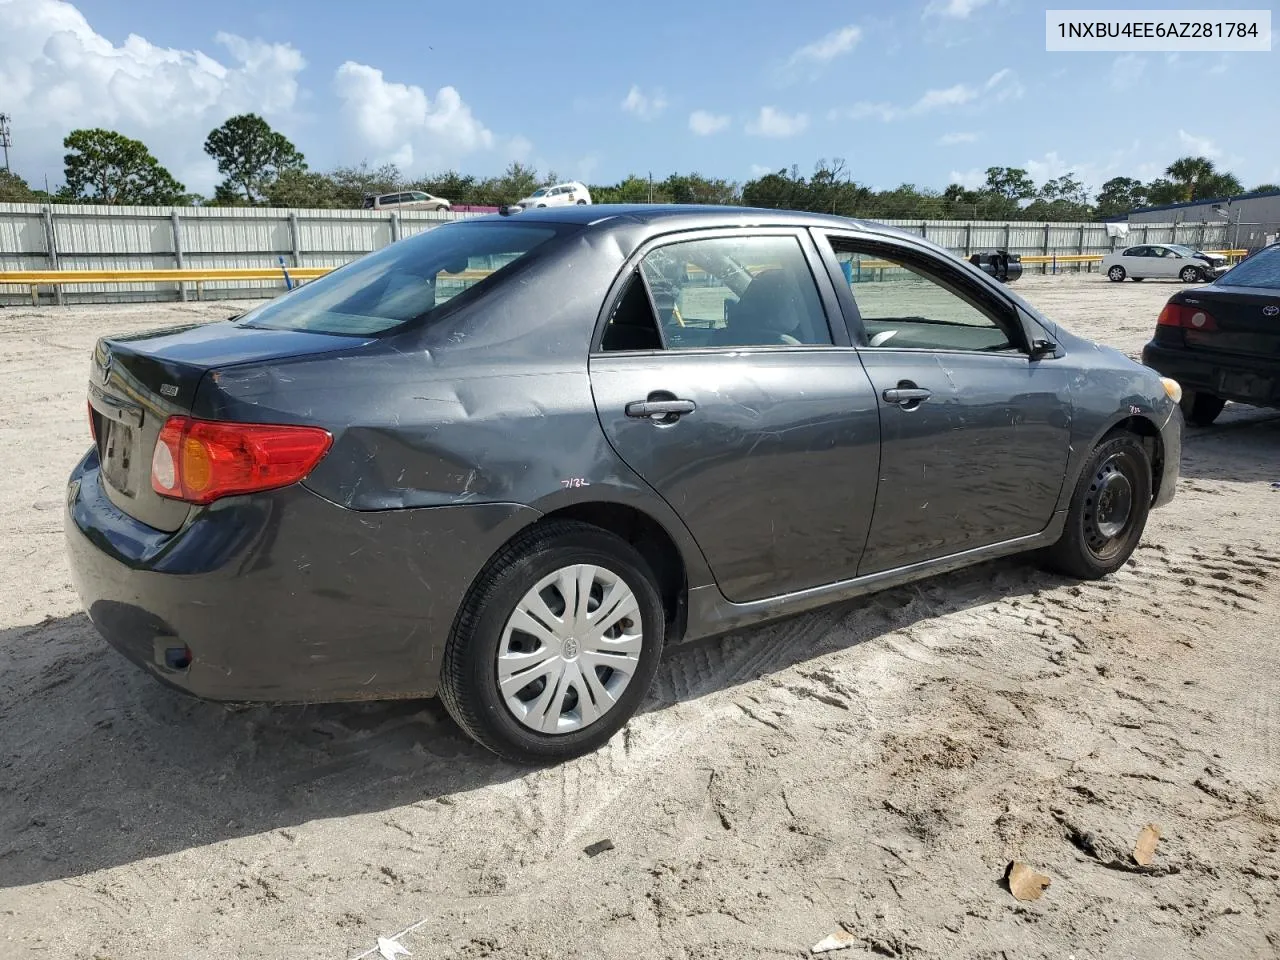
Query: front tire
[1190, 275]
[1108, 511]
[556, 644]
[1201, 409]
[1116, 274]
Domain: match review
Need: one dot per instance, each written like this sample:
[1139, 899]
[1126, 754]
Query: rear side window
[1260, 270]
[403, 282]
[718, 293]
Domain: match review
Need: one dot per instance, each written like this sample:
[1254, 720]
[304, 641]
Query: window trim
[991, 302]
[827, 298]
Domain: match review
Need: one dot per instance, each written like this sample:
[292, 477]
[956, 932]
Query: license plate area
[118, 453]
[1248, 385]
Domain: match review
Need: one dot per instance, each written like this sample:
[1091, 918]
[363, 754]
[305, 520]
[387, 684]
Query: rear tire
[1201, 409]
[1138, 279]
[1190, 275]
[583, 710]
[1108, 511]
[582, 203]
[1116, 274]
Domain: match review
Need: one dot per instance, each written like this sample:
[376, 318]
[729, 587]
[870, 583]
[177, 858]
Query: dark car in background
[508, 459]
[1222, 342]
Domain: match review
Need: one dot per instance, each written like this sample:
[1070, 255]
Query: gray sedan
[508, 459]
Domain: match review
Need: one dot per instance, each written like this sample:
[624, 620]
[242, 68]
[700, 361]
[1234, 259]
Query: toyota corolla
[508, 459]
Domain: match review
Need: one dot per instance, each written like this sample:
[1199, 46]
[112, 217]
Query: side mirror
[1043, 348]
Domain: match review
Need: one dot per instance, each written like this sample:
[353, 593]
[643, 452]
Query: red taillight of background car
[201, 460]
[1186, 317]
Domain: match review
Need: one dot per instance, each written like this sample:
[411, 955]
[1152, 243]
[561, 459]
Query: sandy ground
[871, 768]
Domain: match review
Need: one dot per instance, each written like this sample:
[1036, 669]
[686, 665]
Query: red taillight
[1186, 317]
[201, 460]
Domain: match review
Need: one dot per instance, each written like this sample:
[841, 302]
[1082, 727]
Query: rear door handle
[906, 395]
[660, 409]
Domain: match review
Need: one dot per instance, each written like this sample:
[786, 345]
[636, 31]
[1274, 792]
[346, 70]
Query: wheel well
[652, 541]
[1145, 430]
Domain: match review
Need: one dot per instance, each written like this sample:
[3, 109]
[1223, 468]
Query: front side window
[907, 304]
[403, 282]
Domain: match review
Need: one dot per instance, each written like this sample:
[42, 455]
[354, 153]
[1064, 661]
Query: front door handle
[906, 395]
[660, 409]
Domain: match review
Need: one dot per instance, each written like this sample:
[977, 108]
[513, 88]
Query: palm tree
[1188, 173]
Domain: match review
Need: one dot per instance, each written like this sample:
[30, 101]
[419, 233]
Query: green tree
[302, 188]
[1197, 178]
[353, 184]
[13, 189]
[250, 156]
[1266, 188]
[1012, 183]
[1120, 195]
[452, 186]
[1187, 173]
[108, 167]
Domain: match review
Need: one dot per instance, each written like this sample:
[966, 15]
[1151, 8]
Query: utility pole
[6, 141]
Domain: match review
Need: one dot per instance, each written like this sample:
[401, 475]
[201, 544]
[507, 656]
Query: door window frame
[982, 296]
[837, 325]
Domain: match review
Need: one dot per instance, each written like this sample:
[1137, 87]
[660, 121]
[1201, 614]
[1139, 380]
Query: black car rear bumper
[281, 597]
[1254, 380]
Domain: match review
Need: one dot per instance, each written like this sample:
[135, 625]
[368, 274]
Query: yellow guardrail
[34, 279]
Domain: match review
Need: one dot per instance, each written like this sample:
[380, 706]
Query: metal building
[1252, 220]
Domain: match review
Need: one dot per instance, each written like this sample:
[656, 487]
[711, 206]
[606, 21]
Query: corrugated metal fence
[87, 237]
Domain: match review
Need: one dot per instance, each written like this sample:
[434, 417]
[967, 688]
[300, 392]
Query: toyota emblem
[1270, 311]
[106, 367]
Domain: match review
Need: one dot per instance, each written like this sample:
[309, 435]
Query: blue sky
[923, 91]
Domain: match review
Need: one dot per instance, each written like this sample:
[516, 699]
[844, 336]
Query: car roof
[677, 216]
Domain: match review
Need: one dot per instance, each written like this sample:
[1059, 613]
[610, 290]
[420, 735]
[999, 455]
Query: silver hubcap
[569, 649]
[1116, 273]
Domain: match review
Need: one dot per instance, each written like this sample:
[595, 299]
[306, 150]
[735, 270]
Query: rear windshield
[1260, 270]
[402, 282]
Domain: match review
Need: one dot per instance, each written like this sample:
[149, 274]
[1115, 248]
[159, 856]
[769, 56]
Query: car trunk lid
[1246, 321]
[137, 382]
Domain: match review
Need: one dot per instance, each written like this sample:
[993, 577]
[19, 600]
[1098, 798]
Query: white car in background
[1169, 261]
[559, 195]
[406, 200]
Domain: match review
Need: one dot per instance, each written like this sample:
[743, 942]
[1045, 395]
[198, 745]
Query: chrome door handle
[660, 408]
[905, 395]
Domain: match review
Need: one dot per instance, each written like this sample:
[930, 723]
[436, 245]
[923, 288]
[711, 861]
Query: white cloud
[954, 96]
[951, 139]
[865, 109]
[704, 123]
[1127, 70]
[645, 106]
[761, 169]
[955, 9]
[827, 48]
[772, 122]
[969, 179]
[1199, 146]
[1001, 85]
[57, 73]
[399, 122]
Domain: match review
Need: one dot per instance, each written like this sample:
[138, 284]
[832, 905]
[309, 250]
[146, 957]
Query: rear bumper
[1254, 380]
[281, 597]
